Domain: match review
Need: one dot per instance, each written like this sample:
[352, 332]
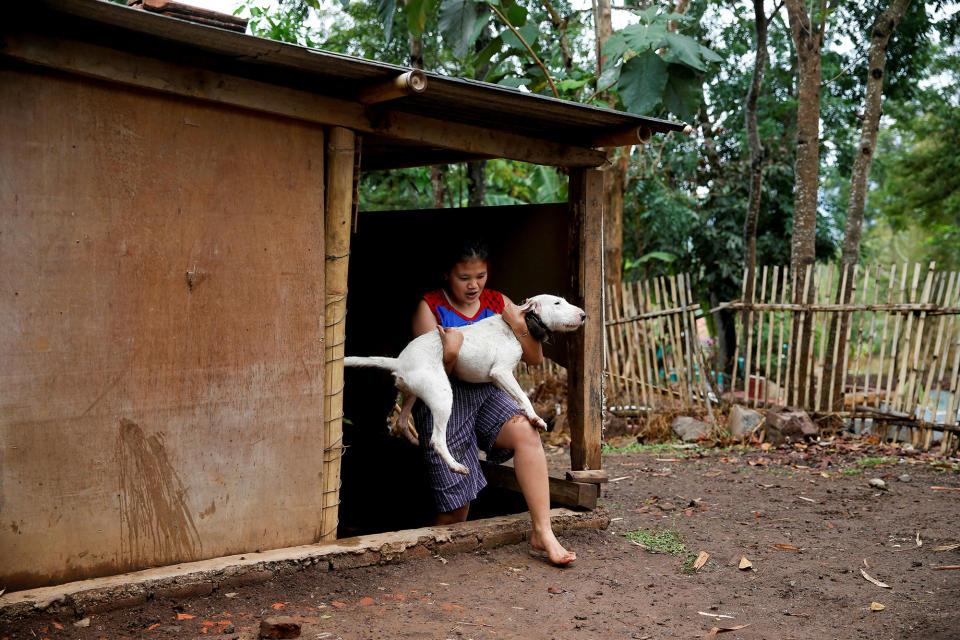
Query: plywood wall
[161, 275]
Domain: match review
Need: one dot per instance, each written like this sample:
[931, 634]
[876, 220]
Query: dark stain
[156, 526]
[14, 527]
[209, 511]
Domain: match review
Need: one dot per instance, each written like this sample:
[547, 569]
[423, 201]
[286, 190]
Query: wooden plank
[596, 476]
[340, 156]
[585, 369]
[94, 61]
[162, 360]
[565, 492]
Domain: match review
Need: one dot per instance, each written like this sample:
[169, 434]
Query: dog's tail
[390, 364]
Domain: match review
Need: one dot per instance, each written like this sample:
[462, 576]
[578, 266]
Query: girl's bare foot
[549, 543]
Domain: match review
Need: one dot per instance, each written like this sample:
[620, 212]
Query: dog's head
[548, 314]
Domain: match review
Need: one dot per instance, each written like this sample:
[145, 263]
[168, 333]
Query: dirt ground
[804, 517]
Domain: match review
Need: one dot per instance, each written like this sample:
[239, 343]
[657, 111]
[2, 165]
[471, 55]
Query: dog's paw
[459, 468]
[538, 422]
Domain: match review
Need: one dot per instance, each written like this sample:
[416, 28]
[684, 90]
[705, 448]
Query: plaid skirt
[479, 411]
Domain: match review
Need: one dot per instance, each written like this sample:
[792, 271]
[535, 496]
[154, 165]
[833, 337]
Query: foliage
[668, 541]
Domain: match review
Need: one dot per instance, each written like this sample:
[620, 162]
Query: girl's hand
[515, 318]
[452, 339]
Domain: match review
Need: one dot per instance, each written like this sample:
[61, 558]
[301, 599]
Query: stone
[904, 478]
[743, 421]
[85, 622]
[279, 627]
[689, 429]
[788, 424]
[877, 483]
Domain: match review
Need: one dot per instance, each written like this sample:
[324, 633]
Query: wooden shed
[176, 217]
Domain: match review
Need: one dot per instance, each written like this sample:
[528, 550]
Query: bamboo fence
[894, 352]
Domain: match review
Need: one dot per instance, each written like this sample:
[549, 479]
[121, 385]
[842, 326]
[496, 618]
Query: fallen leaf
[184, 616]
[338, 604]
[365, 601]
[787, 546]
[824, 474]
[153, 626]
[279, 605]
[766, 486]
[701, 560]
[865, 563]
[874, 580]
[765, 446]
[919, 541]
[744, 563]
[713, 474]
[57, 625]
[947, 547]
[555, 590]
[876, 606]
[717, 630]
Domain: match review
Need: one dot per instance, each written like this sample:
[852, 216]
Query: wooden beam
[585, 368]
[626, 137]
[565, 492]
[341, 149]
[405, 84]
[595, 476]
[95, 61]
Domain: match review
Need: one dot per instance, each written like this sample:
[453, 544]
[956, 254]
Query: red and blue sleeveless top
[491, 304]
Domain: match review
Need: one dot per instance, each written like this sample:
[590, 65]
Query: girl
[483, 415]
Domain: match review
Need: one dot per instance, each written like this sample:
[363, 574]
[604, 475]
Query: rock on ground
[743, 421]
[688, 429]
[788, 424]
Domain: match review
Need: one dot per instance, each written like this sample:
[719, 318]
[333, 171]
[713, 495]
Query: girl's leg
[451, 517]
[530, 464]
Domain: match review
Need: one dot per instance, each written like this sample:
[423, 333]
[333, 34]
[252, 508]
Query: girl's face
[466, 280]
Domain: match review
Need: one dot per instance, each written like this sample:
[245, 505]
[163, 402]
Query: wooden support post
[339, 208]
[585, 370]
[565, 492]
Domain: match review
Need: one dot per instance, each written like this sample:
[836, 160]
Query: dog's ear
[536, 328]
[530, 305]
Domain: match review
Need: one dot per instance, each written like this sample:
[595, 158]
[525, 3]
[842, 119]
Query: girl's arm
[424, 322]
[532, 349]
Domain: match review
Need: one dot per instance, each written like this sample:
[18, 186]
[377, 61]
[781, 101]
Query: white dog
[489, 353]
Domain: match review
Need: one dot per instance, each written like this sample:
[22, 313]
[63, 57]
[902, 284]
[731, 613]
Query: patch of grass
[687, 566]
[941, 466]
[875, 462]
[668, 541]
[851, 472]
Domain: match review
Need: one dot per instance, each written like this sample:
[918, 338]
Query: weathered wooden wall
[161, 394]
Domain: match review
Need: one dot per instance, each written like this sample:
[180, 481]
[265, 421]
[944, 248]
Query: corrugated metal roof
[451, 99]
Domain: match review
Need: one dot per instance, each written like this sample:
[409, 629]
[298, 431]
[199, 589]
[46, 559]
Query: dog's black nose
[583, 316]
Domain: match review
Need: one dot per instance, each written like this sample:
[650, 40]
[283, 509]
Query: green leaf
[457, 21]
[385, 12]
[614, 47]
[529, 32]
[417, 12]
[513, 81]
[683, 49]
[683, 92]
[710, 55]
[656, 255]
[569, 84]
[609, 77]
[642, 37]
[517, 15]
[642, 82]
[484, 55]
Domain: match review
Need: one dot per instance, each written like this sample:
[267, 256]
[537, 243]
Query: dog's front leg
[504, 379]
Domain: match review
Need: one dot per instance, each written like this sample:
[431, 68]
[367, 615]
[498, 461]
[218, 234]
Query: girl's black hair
[466, 250]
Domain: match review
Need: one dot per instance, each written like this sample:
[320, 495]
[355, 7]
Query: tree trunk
[884, 26]
[807, 31]
[477, 170]
[755, 147]
[436, 173]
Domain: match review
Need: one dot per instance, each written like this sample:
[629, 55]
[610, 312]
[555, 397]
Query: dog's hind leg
[403, 421]
[504, 379]
[438, 397]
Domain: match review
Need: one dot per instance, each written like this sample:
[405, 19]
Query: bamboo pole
[704, 379]
[739, 332]
[642, 339]
[856, 362]
[673, 331]
[611, 353]
[891, 284]
[846, 340]
[846, 274]
[770, 329]
[623, 334]
[925, 294]
[951, 416]
[635, 339]
[338, 209]
[931, 356]
[935, 372]
[791, 347]
[780, 361]
[758, 363]
[676, 286]
[907, 350]
[810, 318]
[652, 339]
[748, 321]
[820, 362]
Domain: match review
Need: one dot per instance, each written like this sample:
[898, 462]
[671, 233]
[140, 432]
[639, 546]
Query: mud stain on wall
[156, 526]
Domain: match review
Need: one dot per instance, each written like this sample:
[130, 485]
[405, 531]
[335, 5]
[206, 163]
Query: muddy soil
[806, 520]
